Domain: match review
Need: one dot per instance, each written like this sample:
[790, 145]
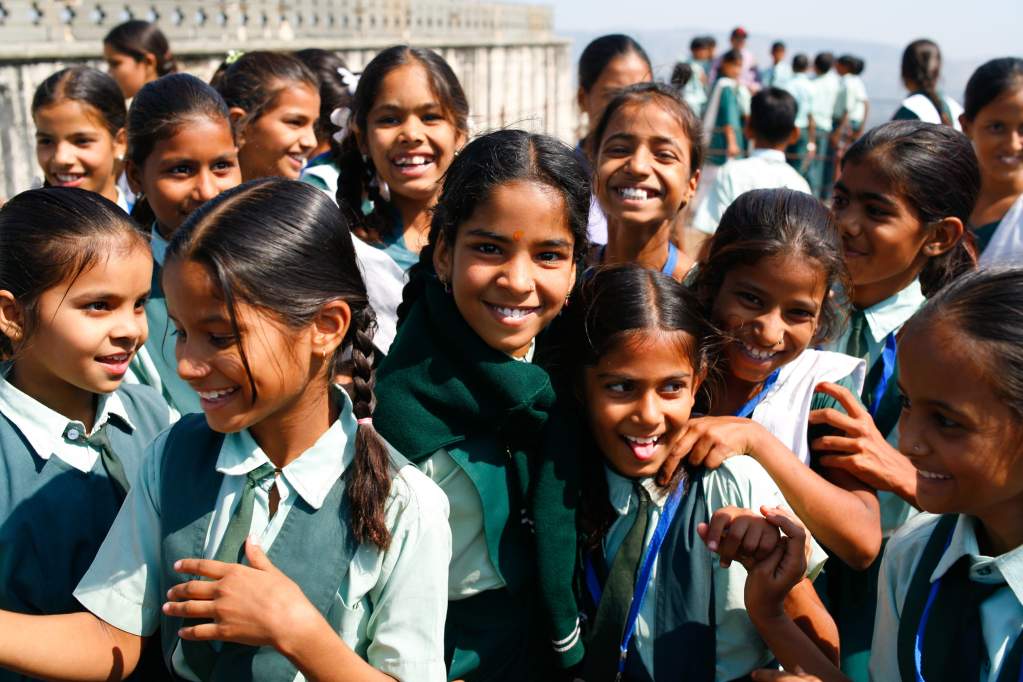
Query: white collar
[964, 543]
[44, 427]
[621, 492]
[771, 155]
[890, 314]
[313, 473]
[158, 245]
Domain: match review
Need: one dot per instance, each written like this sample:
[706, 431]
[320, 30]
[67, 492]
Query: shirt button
[73, 434]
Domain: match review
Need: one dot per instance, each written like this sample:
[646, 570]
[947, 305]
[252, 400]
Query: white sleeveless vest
[1006, 245]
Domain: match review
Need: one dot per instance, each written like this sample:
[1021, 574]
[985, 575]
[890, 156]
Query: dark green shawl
[441, 384]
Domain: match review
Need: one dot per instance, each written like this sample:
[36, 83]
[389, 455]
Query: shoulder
[904, 551]
[413, 493]
[740, 481]
[145, 402]
[814, 366]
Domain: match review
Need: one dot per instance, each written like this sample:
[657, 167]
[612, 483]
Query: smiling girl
[181, 153]
[409, 116]
[640, 350]
[274, 101]
[901, 204]
[351, 583]
[458, 392]
[79, 116]
[648, 155]
[74, 274]
[993, 120]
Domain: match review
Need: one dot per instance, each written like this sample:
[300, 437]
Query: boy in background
[801, 154]
[779, 73]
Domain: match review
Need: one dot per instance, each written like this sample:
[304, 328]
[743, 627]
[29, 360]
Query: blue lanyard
[647, 565]
[669, 265]
[918, 640]
[751, 404]
[887, 371]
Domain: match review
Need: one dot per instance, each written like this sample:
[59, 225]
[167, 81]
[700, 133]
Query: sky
[965, 29]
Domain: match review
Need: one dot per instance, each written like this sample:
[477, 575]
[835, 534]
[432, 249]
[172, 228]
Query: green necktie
[858, 346]
[232, 546]
[107, 457]
[609, 624]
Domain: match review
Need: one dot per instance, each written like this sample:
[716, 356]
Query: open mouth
[513, 316]
[116, 363]
[642, 447]
[850, 252]
[636, 194]
[413, 164]
[213, 399]
[68, 179]
[756, 354]
[933, 476]
[296, 160]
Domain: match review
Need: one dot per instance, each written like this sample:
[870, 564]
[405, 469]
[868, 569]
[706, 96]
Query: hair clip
[233, 56]
[340, 118]
[349, 78]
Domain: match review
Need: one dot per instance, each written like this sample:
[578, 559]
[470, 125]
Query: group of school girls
[351, 395]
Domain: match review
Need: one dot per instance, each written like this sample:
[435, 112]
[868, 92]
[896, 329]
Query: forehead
[66, 114]
[653, 353]
[938, 362]
[122, 263]
[197, 138]
[296, 95]
[784, 275]
[406, 86]
[625, 69]
[1009, 104]
[648, 118]
[190, 290]
[529, 210]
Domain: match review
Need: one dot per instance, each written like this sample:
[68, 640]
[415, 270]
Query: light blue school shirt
[740, 482]
[695, 91]
[825, 99]
[395, 599]
[802, 90]
[777, 75]
[884, 318]
[1001, 614]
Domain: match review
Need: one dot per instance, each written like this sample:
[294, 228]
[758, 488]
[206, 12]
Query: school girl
[853, 104]
[722, 120]
[181, 153]
[79, 116]
[921, 72]
[906, 191]
[74, 274]
[351, 583]
[458, 392]
[993, 120]
[648, 155]
[337, 85]
[607, 64]
[640, 348]
[274, 102]
[137, 52]
[949, 601]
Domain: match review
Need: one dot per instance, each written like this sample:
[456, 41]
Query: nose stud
[918, 448]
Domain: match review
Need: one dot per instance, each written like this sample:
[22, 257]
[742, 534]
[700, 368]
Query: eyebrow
[938, 403]
[657, 139]
[619, 375]
[869, 196]
[502, 239]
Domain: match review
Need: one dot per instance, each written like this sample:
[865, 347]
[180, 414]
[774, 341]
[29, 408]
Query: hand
[739, 534]
[256, 605]
[862, 450]
[772, 578]
[709, 441]
[783, 676]
[732, 150]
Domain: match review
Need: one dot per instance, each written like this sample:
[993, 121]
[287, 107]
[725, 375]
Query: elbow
[863, 549]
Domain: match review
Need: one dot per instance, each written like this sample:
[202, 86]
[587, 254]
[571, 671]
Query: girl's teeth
[633, 193]
[759, 354]
[411, 161]
[933, 476]
[67, 177]
[642, 448]
[213, 395]
[514, 312]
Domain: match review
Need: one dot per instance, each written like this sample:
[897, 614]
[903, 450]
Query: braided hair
[291, 234]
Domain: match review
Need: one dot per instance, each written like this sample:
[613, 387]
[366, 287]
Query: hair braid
[371, 481]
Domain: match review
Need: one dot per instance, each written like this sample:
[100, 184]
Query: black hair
[773, 115]
[50, 235]
[255, 80]
[681, 75]
[921, 65]
[934, 168]
[776, 222]
[158, 112]
[777, 45]
[665, 96]
[87, 85]
[488, 162]
[990, 81]
[698, 43]
[800, 63]
[732, 56]
[291, 234]
[711, 41]
[137, 38]
[986, 307]
[615, 306]
[601, 52]
[334, 94]
[358, 172]
[823, 62]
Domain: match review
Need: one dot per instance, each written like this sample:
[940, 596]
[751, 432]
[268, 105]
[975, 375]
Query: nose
[911, 442]
[64, 154]
[517, 275]
[770, 328]
[308, 138]
[1017, 140]
[130, 328]
[639, 161]
[647, 411]
[205, 186]
[847, 222]
[412, 129]
[191, 366]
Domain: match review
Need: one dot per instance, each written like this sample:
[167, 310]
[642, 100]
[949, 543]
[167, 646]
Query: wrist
[766, 616]
[300, 634]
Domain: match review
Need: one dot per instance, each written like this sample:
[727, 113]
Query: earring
[446, 284]
[567, 299]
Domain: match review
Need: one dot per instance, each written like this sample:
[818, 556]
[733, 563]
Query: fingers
[207, 568]
[836, 419]
[678, 451]
[850, 463]
[835, 444]
[193, 589]
[256, 556]
[203, 631]
[786, 520]
[849, 402]
[190, 609]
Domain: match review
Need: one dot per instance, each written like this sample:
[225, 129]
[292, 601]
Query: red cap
[739, 32]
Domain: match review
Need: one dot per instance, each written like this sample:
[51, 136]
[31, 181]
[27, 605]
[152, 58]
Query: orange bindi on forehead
[517, 235]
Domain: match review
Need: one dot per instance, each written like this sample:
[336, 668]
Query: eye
[432, 117]
[839, 201]
[996, 127]
[551, 257]
[944, 422]
[222, 340]
[666, 155]
[180, 169]
[748, 298]
[487, 249]
[141, 303]
[877, 212]
[223, 166]
[672, 387]
[802, 313]
[618, 387]
[387, 120]
[97, 306]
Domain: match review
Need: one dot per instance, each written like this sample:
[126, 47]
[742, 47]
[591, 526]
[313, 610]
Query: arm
[806, 610]
[847, 522]
[861, 451]
[73, 646]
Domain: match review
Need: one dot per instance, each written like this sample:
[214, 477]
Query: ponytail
[946, 268]
[921, 64]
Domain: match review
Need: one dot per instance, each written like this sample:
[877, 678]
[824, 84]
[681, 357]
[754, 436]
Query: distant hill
[884, 86]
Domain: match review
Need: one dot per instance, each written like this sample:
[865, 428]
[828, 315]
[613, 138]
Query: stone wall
[515, 71]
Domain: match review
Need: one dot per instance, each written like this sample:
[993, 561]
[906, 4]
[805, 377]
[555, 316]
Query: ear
[360, 139]
[793, 137]
[580, 99]
[237, 114]
[134, 175]
[945, 234]
[442, 259]
[966, 124]
[120, 144]
[694, 182]
[12, 318]
[149, 60]
[330, 326]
